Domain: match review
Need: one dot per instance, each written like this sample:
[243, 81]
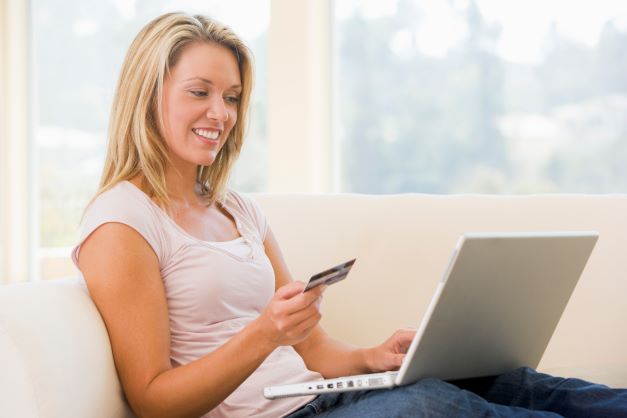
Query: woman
[200, 307]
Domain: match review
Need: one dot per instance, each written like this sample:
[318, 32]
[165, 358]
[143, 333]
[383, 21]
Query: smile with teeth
[211, 135]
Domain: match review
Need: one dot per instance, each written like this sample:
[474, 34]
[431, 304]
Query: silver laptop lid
[497, 304]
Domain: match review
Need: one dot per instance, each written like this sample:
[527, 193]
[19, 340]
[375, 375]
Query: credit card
[330, 276]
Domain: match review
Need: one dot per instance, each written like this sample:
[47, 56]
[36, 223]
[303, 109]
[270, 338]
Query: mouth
[207, 135]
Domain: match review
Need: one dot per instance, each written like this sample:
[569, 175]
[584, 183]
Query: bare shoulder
[122, 274]
[115, 251]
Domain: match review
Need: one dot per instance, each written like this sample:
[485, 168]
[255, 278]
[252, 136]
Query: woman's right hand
[291, 315]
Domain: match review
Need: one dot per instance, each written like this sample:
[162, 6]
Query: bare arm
[122, 274]
[321, 353]
[329, 356]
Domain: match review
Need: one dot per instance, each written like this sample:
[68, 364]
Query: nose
[217, 109]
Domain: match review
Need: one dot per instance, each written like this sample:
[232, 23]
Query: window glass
[481, 96]
[77, 52]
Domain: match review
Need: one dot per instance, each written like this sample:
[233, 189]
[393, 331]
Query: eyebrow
[204, 80]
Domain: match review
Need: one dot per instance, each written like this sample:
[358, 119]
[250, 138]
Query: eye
[198, 93]
[232, 99]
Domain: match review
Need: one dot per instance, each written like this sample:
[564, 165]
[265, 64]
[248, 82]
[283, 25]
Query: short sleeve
[251, 211]
[129, 206]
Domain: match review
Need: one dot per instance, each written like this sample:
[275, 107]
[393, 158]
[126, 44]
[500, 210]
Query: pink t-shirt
[213, 290]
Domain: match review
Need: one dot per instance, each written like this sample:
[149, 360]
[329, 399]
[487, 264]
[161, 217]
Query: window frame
[16, 210]
[300, 97]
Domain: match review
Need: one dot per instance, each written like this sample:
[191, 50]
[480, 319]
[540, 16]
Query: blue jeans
[519, 393]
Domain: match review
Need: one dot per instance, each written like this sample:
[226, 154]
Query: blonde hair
[135, 143]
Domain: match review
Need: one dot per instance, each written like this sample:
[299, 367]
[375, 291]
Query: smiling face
[200, 100]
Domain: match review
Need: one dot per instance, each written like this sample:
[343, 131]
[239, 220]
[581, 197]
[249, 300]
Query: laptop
[494, 310]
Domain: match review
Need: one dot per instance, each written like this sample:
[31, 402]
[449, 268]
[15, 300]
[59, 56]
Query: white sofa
[54, 350]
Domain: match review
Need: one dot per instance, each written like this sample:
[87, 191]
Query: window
[77, 51]
[445, 96]
[481, 96]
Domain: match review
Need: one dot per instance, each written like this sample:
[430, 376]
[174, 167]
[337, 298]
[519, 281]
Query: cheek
[175, 128]
[176, 115]
[232, 119]
[178, 119]
[170, 119]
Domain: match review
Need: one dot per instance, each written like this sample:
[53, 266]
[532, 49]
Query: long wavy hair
[135, 140]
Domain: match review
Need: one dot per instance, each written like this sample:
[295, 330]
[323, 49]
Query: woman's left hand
[389, 355]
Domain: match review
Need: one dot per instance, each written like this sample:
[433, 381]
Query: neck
[181, 183]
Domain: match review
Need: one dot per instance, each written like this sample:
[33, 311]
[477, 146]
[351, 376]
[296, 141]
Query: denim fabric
[520, 393]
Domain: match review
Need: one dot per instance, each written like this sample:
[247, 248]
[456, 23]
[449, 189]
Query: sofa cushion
[57, 359]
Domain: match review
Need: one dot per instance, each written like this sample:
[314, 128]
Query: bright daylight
[313, 208]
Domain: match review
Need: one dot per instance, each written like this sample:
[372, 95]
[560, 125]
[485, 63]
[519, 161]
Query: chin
[202, 157]
[206, 161]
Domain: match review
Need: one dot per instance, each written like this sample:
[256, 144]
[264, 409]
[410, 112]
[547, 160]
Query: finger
[396, 360]
[286, 319]
[307, 325]
[301, 301]
[405, 347]
[316, 303]
[407, 331]
[290, 290]
[297, 318]
[314, 295]
[316, 292]
[404, 336]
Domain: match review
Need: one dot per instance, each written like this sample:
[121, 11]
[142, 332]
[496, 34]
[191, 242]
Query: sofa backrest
[403, 243]
[56, 358]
